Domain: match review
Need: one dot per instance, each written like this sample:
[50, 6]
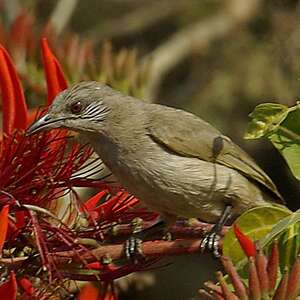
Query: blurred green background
[215, 58]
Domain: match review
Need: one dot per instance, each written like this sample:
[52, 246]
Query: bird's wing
[187, 135]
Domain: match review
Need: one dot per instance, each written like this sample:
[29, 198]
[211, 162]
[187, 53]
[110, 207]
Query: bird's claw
[210, 242]
[133, 249]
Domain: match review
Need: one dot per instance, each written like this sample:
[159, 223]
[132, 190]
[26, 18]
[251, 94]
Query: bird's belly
[187, 187]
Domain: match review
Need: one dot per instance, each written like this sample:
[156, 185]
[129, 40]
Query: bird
[173, 161]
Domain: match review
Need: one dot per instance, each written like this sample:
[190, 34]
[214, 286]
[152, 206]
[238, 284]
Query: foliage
[263, 278]
[275, 229]
[281, 125]
[271, 224]
[256, 223]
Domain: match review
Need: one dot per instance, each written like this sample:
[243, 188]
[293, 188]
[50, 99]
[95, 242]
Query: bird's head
[82, 107]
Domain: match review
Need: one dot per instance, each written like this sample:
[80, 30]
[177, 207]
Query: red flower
[55, 78]
[90, 292]
[8, 289]
[12, 95]
[247, 245]
[26, 285]
[37, 170]
[3, 225]
[32, 169]
[112, 209]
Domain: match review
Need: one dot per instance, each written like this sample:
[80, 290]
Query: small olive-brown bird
[176, 163]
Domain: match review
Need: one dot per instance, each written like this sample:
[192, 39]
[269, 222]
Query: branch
[188, 243]
[62, 14]
[196, 37]
[155, 248]
[11, 9]
[150, 249]
[145, 16]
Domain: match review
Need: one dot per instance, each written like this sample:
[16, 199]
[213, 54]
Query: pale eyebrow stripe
[92, 111]
[95, 111]
[93, 106]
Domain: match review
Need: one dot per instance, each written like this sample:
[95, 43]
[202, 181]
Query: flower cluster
[36, 172]
[79, 57]
[265, 278]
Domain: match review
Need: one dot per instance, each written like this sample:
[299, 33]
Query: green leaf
[289, 246]
[287, 140]
[265, 118]
[280, 227]
[255, 223]
[287, 231]
[282, 126]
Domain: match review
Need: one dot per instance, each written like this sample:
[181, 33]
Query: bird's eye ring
[76, 107]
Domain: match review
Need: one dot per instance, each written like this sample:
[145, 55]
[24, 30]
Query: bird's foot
[210, 242]
[133, 249]
[212, 238]
[133, 245]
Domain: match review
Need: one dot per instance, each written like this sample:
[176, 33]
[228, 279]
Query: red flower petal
[96, 265]
[254, 284]
[247, 245]
[272, 268]
[20, 219]
[93, 202]
[26, 285]
[116, 205]
[55, 77]
[89, 292]
[8, 290]
[56, 82]
[3, 226]
[21, 30]
[14, 105]
[293, 288]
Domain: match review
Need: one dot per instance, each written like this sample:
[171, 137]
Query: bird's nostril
[47, 118]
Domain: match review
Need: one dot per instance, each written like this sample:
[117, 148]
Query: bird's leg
[211, 239]
[132, 245]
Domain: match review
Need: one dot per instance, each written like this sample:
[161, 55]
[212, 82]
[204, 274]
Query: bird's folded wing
[187, 135]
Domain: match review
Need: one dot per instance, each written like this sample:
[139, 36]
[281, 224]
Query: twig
[15, 261]
[154, 248]
[140, 19]
[292, 135]
[11, 9]
[150, 249]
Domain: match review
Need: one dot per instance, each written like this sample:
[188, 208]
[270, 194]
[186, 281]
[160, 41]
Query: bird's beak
[45, 122]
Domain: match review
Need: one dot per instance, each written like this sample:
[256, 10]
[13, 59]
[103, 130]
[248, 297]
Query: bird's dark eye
[76, 107]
